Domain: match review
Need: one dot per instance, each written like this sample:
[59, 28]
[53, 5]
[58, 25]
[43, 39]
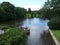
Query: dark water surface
[37, 27]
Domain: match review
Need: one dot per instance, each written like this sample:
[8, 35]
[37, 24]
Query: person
[27, 30]
[26, 27]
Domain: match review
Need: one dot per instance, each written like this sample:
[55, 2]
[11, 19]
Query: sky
[33, 4]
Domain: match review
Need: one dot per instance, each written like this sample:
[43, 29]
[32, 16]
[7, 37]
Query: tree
[20, 12]
[29, 10]
[2, 14]
[45, 12]
[51, 10]
[54, 23]
[56, 7]
[9, 10]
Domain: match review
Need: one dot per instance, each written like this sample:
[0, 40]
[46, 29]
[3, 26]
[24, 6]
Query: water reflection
[37, 26]
[36, 22]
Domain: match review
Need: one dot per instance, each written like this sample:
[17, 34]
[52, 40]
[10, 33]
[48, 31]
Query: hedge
[54, 23]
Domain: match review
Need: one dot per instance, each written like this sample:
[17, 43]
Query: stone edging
[53, 37]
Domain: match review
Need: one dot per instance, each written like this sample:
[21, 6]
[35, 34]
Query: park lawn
[57, 34]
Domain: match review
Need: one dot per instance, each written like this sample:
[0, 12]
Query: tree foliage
[20, 12]
[29, 10]
[51, 10]
[54, 23]
[9, 12]
[14, 36]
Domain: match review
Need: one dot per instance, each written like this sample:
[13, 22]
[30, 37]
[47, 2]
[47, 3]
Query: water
[1, 31]
[36, 26]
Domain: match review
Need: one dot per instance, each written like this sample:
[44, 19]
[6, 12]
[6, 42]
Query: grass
[57, 34]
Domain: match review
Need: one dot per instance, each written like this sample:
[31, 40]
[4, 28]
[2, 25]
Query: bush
[14, 36]
[54, 23]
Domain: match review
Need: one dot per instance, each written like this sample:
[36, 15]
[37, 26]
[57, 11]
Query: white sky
[33, 4]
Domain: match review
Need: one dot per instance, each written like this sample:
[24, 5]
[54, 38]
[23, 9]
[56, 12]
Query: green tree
[54, 23]
[29, 10]
[20, 12]
[51, 10]
[2, 14]
[9, 10]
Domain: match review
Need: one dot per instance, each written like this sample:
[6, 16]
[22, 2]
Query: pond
[37, 26]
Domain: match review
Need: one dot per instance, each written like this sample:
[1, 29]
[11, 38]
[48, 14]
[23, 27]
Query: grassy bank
[57, 34]
[13, 36]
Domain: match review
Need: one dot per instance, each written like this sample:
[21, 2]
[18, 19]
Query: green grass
[57, 34]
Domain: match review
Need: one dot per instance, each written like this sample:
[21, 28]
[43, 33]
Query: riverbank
[57, 34]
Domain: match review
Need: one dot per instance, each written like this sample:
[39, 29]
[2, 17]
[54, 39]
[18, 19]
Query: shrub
[14, 36]
[54, 23]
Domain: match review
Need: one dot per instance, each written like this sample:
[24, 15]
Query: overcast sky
[33, 4]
